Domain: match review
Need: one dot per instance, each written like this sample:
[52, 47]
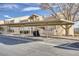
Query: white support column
[5, 29]
[47, 32]
[31, 31]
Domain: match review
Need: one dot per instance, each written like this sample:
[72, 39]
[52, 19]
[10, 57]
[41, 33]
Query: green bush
[21, 32]
[10, 30]
[24, 32]
[1, 29]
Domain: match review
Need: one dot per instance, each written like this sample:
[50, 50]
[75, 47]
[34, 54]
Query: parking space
[36, 46]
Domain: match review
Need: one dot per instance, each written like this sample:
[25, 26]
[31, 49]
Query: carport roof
[40, 23]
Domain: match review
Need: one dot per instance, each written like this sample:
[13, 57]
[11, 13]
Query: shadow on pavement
[8, 40]
[69, 46]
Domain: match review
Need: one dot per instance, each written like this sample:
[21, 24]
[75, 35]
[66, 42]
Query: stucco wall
[61, 31]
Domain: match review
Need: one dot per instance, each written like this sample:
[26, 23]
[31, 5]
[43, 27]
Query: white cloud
[10, 6]
[31, 8]
[7, 16]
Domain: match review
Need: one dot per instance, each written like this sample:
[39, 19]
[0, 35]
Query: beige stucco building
[51, 30]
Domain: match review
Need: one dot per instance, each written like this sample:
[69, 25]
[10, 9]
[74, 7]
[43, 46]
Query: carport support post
[19, 31]
[47, 32]
[30, 30]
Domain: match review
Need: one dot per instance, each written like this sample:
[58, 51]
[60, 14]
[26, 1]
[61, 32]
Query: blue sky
[11, 10]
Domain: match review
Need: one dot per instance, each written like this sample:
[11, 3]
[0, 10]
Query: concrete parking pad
[15, 46]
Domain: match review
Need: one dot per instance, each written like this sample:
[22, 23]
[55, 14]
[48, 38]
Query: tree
[68, 11]
[33, 17]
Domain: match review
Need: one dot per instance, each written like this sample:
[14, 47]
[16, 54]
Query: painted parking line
[47, 43]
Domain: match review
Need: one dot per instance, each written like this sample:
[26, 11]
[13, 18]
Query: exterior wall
[61, 31]
[58, 30]
[71, 31]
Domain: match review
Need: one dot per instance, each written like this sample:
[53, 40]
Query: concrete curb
[64, 37]
[21, 37]
[57, 37]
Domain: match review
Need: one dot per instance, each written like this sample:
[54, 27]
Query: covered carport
[42, 23]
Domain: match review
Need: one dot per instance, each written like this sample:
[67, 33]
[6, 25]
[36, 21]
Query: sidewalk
[57, 37]
[23, 37]
[65, 37]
